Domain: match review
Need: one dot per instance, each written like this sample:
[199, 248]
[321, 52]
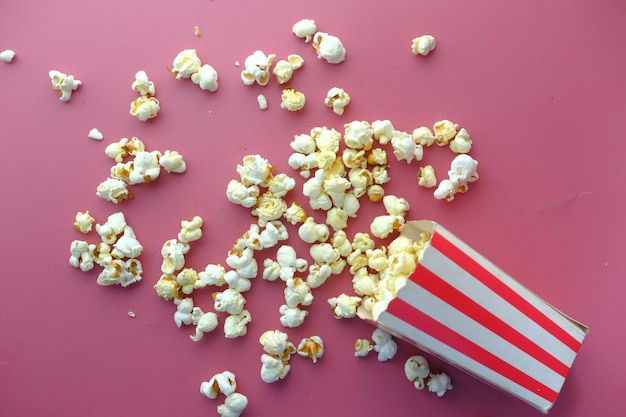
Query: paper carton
[463, 309]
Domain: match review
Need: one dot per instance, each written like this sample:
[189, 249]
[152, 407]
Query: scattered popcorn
[230, 301]
[64, 83]
[318, 274]
[143, 85]
[95, 134]
[344, 306]
[207, 323]
[423, 45]
[172, 161]
[426, 177]
[329, 48]
[186, 279]
[461, 142]
[445, 191]
[311, 347]
[186, 63]
[337, 99]
[83, 222]
[224, 382]
[233, 406]
[257, 68]
[289, 263]
[262, 100]
[305, 29]
[384, 345]
[439, 383]
[362, 347]
[283, 71]
[205, 78]
[235, 325]
[7, 55]
[144, 108]
[292, 316]
[292, 100]
[416, 370]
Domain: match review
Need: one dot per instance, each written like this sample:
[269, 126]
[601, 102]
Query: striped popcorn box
[463, 309]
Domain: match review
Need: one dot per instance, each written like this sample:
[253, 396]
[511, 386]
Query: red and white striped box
[460, 307]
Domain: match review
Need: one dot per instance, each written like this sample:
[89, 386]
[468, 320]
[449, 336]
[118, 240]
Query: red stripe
[433, 328]
[455, 298]
[492, 282]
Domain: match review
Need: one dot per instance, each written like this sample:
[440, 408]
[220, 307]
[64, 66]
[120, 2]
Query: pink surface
[539, 86]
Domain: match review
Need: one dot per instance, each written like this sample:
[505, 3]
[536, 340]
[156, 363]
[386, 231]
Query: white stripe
[470, 329]
[454, 275]
[458, 359]
[576, 330]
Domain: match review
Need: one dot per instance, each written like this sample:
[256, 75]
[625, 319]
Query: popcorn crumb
[64, 83]
[262, 101]
[292, 100]
[95, 134]
[423, 45]
[196, 31]
[304, 29]
[131, 314]
[337, 99]
[7, 55]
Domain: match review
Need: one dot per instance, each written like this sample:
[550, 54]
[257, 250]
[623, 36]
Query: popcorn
[297, 292]
[197, 32]
[81, 256]
[329, 48]
[375, 193]
[423, 45]
[207, 323]
[262, 100]
[7, 55]
[83, 222]
[318, 274]
[283, 71]
[305, 29]
[337, 218]
[274, 232]
[311, 232]
[271, 270]
[461, 142]
[269, 207]
[311, 347]
[205, 78]
[238, 282]
[167, 287]
[144, 108]
[416, 370]
[114, 226]
[190, 230]
[255, 170]
[273, 369]
[186, 279]
[324, 253]
[257, 68]
[384, 345]
[211, 275]
[127, 246]
[243, 195]
[445, 191]
[292, 100]
[64, 83]
[172, 161]
[173, 253]
[362, 347]
[439, 383]
[235, 325]
[423, 136]
[233, 406]
[462, 172]
[289, 262]
[186, 63]
[275, 343]
[359, 135]
[146, 167]
[143, 85]
[292, 316]
[184, 308]
[383, 131]
[95, 134]
[405, 147]
[230, 301]
[295, 61]
[396, 206]
[224, 382]
[383, 226]
[445, 131]
[337, 99]
[295, 214]
[364, 283]
[344, 306]
[426, 177]
[121, 272]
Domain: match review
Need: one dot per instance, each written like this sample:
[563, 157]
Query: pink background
[538, 84]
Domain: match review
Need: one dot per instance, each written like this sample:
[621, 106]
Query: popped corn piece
[426, 177]
[283, 71]
[213, 274]
[64, 83]
[364, 283]
[235, 325]
[186, 279]
[396, 206]
[83, 222]
[360, 179]
[314, 189]
[439, 383]
[362, 347]
[289, 262]
[117, 150]
[324, 253]
[146, 167]
[143, 85]
[183, 315]
[102, 254]
[326, 139]
[305, 29]
[463, 170]
[144, 108]
[445, 131]
[95, 134]
[445, 190]
[416, 370]
[114, 226]
[295, 214]
[224, 382]
[173, 253]
[190, 230]
[337, 218]
[257, 68]
[311, 232]
[377, 259]
[405, 147]
[273, 233]
[354, 158]
[131, 314]
[291, 316]
[344, 306]
[243, 195]
[423, 45]
[230, 301]
[383, 131]
[311, 347]
[461, 142]
[238, 282]
[292, 99]
[206, 324]
[318, 274]
[375, 193]
[81, 255]
[186, 63]
[113, 190]
[262, 100]
[377, 156]
[380, 174]
[233, 406]
[255, 170]
[167, 287]
[384, 345]
[273, 369]
[303, 143]
[329, 48]
[297, 293]
[358, 135]
[357, 260]
[423, 136]
[172, 161]
[275, 343]
[337, 99]
[127, 246]
[269, 207]
[279, 185]
[363, 242]
[295, 61]
[7, 55]
[120, 272]
[205, 78]
[271, 270]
